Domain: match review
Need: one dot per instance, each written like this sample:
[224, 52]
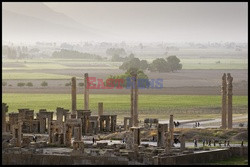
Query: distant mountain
[41, 11]
[37, 22]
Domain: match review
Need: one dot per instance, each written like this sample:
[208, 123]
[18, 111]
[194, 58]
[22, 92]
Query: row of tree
[71, 54]
[14, 53]
[170, 64]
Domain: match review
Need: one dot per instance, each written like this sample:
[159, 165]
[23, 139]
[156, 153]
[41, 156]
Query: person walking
[203, 142]
[219, 143]
[93, 140]
[242, 143]
[195, 142]
[228, 143]
[209, 142]
[214, 143]
[34, 137]
[225, 143]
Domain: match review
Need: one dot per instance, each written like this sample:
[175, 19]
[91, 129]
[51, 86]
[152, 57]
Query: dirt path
[207, 123]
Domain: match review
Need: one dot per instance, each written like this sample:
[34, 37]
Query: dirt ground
[184, 82]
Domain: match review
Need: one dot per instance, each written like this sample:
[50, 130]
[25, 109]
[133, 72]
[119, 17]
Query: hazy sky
[167, 21]
[126, 21]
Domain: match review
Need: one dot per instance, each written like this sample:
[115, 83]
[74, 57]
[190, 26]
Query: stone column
[19, 137]
[182, 140]
[108, 124]
[101, 124]
[135, 111]
[4, 110]
[229, 101]
[171, 129]
[224, 102]
[42, 121]
[51, 134]
[125, 123]
[136, 136]
[73, 95]
[100, 109]
[167, 146]
[86, 92]
[113, 123]
[59, 114]
[161, 140]
[132, 100]
[85, 124]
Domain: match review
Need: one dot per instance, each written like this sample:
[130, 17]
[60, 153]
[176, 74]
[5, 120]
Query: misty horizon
[125, 21]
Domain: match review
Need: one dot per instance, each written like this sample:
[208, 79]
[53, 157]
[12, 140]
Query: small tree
[174, 63]
[21, 84]
[29, 84]
[81, 84]
[44, 83]
[4, 83]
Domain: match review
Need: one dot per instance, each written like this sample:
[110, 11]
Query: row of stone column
[227, 93]
[73, 94]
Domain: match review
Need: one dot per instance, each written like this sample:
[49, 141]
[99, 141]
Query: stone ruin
[67, 124]
[69, 127]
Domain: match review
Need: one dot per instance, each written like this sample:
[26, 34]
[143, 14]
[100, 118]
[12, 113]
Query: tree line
[14, 53]
[169, 64]
[71, 54]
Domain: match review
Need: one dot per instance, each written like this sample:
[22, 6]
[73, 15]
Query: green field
[33, 64]
[185, 106]
[33, 76]
[210, 63]
[188, 63]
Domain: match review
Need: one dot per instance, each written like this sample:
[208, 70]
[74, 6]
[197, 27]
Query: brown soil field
[164, 91]
[184, 82]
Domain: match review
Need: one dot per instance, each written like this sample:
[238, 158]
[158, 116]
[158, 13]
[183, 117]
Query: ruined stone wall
[193, 158]
[202, 157]
[31, 159]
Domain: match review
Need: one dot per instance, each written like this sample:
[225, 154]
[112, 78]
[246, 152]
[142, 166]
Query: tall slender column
[132, 100]
[230, 101]
[171, 129]
[73, 95]
[86, 92]
[135, 111]
[224, 102]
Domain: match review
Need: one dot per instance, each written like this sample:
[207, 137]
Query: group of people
[197, 124]
[176, 124]
[209, 142]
